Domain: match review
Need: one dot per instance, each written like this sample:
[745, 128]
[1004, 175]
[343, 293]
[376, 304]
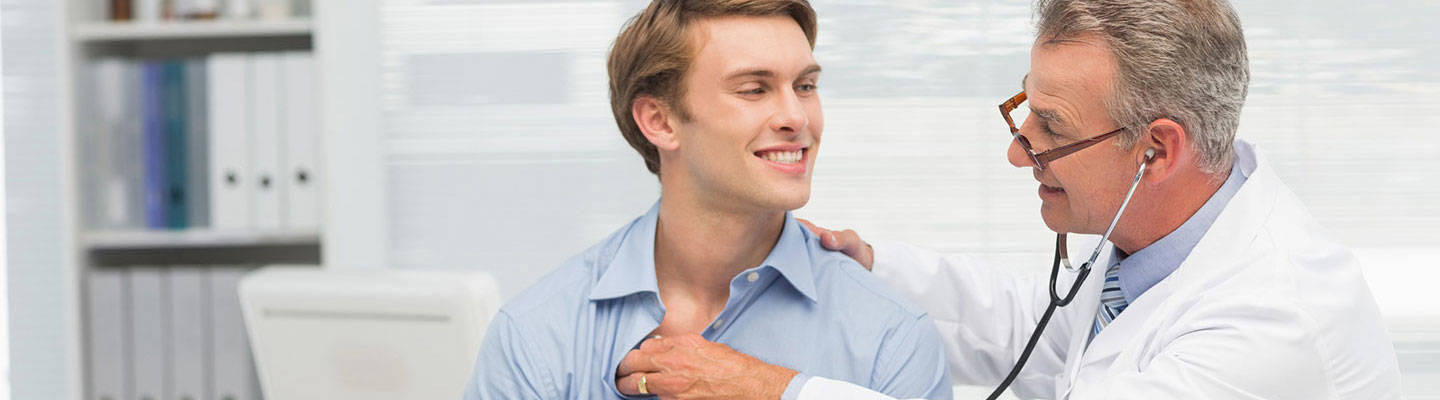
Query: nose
[790, 117]
[1017, 155]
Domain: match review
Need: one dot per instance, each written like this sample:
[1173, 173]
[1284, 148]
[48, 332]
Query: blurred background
[155, 150]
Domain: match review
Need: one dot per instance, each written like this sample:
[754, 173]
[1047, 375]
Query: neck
[700, 247]
[1161, 209]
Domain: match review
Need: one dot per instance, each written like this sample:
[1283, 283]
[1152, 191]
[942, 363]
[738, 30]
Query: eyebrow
[765, 73]
[812, 69]
[1050, 116]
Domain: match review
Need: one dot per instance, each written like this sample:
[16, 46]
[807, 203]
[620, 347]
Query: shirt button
[717, 323]
[753, 276]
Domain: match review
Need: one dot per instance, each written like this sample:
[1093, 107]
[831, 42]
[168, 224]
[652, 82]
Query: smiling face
[1067, 86]
[755, 120]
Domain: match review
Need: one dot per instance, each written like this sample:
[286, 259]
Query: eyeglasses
[1044, 158]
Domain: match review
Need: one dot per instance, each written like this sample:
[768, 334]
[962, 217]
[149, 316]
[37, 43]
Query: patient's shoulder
[842, 278]
[566, 285]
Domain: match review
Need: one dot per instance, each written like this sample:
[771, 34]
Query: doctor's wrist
[775, 381]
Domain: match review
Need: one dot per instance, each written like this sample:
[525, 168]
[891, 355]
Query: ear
[653, 118]
[1172, 149]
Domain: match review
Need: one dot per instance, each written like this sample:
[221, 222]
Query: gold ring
[641, 385]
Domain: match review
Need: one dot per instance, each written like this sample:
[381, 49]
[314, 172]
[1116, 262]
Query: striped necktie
[1112, 300]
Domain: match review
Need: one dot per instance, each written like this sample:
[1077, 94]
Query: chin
[788, 199]
[1057, 221]
[797, 202]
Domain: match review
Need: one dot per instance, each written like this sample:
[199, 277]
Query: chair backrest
[365, 334]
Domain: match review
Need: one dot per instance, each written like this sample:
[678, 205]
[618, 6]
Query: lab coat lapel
[1081, 312]
[1121, 334]
[1112, 339]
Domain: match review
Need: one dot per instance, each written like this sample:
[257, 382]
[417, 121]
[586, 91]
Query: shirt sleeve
[506, 367]
[792, 391]
[912, 362]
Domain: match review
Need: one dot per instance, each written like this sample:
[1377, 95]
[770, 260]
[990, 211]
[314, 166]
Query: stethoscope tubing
[1081, 273]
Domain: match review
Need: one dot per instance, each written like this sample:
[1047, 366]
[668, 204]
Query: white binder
[190, 8]
[148, 333]
[266, 155]
[130, 152]
[239, 9]
[107, 335]
[147, 10]
[234, 370]
[229, 121]
[105, 202]
[189, 327]
[301, 135]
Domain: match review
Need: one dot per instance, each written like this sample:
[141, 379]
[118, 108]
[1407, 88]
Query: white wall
[499, 150]
[42, 327]
[4, 265]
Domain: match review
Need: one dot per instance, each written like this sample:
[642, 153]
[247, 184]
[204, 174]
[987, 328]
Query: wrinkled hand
[690, 367]
[846, 241]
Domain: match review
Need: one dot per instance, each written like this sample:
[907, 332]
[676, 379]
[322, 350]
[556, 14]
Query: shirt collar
[1148, 266]
[632, 270]
[791, 257]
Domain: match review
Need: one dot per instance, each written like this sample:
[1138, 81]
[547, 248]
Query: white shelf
[152, 239]
[203, 29]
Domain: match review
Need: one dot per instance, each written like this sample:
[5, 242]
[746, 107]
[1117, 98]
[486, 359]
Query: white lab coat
[1267, 306]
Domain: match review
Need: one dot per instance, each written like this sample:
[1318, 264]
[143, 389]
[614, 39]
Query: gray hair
[1179, 59]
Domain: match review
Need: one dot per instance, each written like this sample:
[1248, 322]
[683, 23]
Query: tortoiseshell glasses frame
[1044, 158]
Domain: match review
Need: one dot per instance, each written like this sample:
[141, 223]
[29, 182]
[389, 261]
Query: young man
[719, 97]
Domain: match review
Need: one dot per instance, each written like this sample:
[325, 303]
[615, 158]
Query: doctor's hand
[846, 241]
[690, 367]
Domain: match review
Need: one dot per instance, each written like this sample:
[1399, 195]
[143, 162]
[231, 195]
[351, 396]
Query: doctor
[1214, 283]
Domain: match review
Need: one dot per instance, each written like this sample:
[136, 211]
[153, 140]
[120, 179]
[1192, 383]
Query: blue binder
[177, 193]
[152, 110]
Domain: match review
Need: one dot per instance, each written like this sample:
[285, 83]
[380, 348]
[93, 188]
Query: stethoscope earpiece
[1149, 154]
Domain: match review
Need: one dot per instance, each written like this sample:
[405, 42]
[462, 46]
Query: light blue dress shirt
[804, 308]
[1148, 266]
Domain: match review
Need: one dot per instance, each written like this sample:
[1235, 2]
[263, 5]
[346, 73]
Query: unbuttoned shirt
[805, 308]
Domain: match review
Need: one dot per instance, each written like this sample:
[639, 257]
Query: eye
[752, 91]
[1045, 129]
[806, 88]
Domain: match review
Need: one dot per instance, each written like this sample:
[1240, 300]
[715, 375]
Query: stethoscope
[1062, 257]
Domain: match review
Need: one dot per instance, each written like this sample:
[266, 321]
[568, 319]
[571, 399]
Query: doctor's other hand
[846, 241]
[690, 367]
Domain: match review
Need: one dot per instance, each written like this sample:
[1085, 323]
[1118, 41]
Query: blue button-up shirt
[804, 308]
[1148, 266]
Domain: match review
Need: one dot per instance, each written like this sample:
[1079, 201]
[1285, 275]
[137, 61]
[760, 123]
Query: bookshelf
[91, 40]
[196, 249]
[107, 31]
[97, 241]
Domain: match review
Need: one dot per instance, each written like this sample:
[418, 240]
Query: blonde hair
[653, 51]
